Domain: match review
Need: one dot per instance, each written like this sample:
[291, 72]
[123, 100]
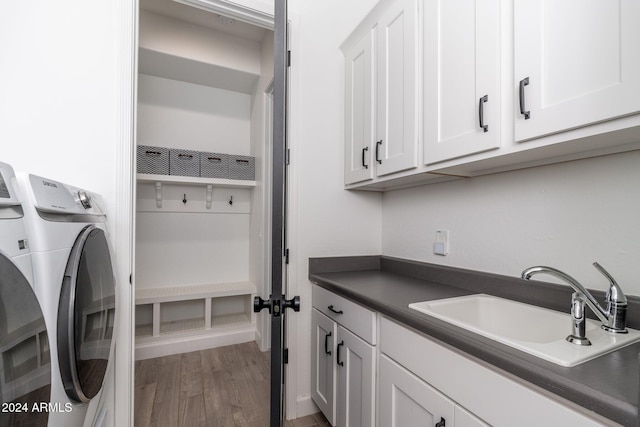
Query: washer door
[86, 315]
[25, 366]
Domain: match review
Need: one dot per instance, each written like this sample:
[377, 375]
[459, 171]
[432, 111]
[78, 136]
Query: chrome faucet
[614, 317]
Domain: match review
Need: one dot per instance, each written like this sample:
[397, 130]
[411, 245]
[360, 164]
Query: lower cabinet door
[407, 401]
[355, 360]
[465, 418]
[323, 372]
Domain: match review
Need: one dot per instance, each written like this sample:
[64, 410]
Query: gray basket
[154, 160]
[184, 162]
[214, 165]
[242, 167]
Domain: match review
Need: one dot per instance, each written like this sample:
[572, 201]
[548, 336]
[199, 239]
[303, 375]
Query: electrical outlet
[441, 245]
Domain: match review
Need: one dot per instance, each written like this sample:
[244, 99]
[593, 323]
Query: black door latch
[276, 305]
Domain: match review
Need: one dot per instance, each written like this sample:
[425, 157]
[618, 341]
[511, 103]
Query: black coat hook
[184, 198]
[231, 200]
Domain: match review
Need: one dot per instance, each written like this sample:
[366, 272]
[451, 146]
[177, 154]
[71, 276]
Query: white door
[395, 147]
[461, 78]
[355, 360]
[407, 401]
[323, 372]
[359, 110]
[577, 62]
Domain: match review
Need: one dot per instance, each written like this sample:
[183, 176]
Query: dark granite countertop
[607, 385]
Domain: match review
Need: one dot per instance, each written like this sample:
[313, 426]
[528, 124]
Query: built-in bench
[179, 319]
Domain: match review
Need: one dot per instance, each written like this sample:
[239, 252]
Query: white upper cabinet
[461, 78]
[577, 63]
[359, 109]
[397, 136]
[381, 93]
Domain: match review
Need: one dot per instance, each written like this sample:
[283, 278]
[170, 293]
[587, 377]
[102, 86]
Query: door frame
[264, 326]
[126, 15]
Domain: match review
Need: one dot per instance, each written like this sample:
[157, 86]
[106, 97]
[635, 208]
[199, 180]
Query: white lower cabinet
[484, 393]
[343, 360]
[355, 360]
[323, 348]
[407, 401]
[419, 380]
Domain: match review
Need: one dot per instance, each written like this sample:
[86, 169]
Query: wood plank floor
[220, 387]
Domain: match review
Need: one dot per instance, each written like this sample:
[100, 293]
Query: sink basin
[538, 331]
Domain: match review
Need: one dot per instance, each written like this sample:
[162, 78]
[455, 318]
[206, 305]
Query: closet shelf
[183, 293]
[194, 180]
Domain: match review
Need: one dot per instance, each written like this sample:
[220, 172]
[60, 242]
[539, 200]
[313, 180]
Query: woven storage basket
[242, 167]
[154, 160]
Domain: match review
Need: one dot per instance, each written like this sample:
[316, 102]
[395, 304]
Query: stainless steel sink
[535, 330]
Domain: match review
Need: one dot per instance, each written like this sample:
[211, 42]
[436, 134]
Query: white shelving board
[194, 180]
[163, 193]
[183, 293]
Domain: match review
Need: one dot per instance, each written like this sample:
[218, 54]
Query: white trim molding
[256, 12]
[126, 22]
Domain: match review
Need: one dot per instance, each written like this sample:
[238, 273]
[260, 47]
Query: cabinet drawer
[352, 316]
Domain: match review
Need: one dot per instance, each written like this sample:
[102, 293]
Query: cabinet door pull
[441, 423]
[481, 112]
[326, 344]
[333, 310]
[378, 144]
[340, 363]
[524, 82]
[364, 150]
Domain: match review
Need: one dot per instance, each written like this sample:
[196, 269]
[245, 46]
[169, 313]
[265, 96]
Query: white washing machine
[75, 285]
[25, 363]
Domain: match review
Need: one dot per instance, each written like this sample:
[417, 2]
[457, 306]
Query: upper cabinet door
[577, 62]
[396, 145]
[359, 109]
[461, 78]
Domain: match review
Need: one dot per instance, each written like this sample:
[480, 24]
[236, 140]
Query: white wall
[325, 220]
[565, 216]
[59, 93]
[64, 95]
[176, 114]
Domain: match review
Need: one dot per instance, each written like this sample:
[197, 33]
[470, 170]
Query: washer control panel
[58, 198]
[7, 194]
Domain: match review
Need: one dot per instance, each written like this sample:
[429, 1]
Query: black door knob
[293, 303]
[260, 304]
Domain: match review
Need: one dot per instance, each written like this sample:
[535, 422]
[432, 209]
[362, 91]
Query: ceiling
[203, 18]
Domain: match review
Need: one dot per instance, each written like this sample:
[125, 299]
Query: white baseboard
[305, 406]
[177, 343]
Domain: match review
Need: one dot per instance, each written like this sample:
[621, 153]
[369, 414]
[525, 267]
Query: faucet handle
[614, 294]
